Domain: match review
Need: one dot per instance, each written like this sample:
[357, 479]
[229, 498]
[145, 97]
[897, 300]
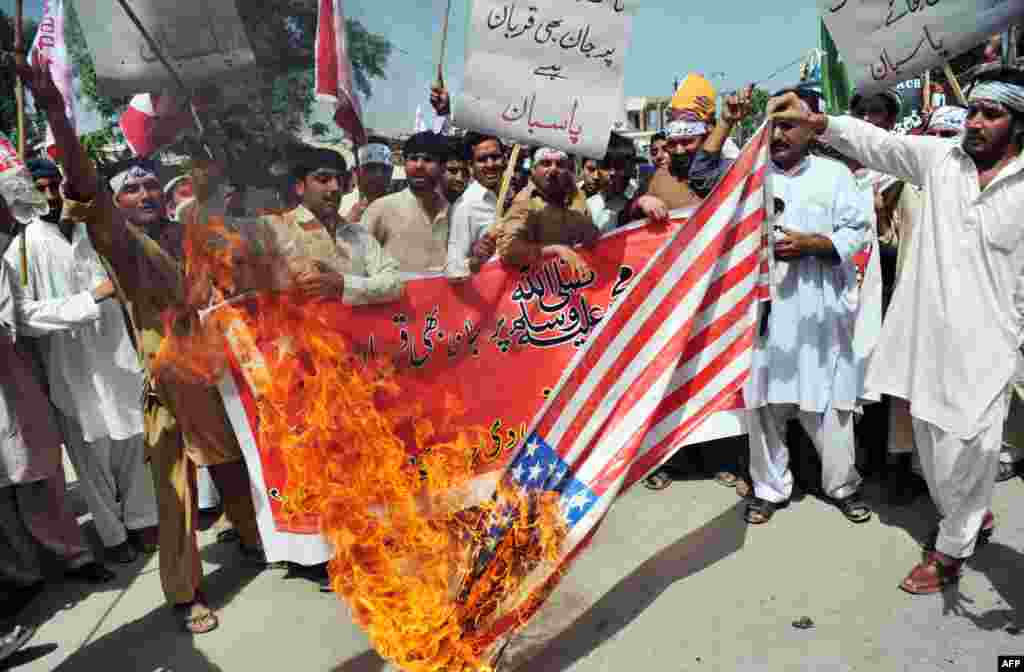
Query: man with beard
[548, 216]
[412, 225]
[470, 243]
[950, 342]
[95, 378]
[608, 206]
[804, 366]
[455, 177]
[186, 424]
[373, 179]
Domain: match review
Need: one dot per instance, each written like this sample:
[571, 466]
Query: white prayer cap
[170, 186]
[682, 128]
[375, 153]
[549, 154]
[948, 118]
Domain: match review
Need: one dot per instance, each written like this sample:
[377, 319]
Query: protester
[373, 179]
[659, 154]
[95, 378]
[34, 511]
[608, 207]
[412, 225]
[594, 180]
[549, 216]
[804, 366]
[949, 344]
[670, 189]
[176, 191]
[469, 244]
[455, 177]
[186, 423]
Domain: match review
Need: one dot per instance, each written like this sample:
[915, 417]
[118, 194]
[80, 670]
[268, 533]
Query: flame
[414, 560]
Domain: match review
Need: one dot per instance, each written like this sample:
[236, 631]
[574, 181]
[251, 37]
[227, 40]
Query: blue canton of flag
[538, 467]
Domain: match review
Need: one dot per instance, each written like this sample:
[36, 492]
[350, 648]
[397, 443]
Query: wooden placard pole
[958, 93]
[506, 180]
[444, 45]
[19, 96]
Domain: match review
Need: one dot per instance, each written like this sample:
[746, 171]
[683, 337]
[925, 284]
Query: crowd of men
[935, 213]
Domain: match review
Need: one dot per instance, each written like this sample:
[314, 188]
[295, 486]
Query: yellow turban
[696, 95]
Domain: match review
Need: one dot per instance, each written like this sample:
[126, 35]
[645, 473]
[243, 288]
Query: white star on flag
[531, 448]
[535, 472]
[518, 472]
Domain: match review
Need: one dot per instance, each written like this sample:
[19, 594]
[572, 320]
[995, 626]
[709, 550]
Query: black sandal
[763, 509]
[659, 480]
[854, 508]
[1007, 470]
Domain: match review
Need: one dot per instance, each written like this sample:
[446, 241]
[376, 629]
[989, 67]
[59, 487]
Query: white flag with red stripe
[334, 82]
[154, 121]
[50, 45]
[676, 348]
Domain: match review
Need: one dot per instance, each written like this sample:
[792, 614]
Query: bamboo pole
[506, 180]
[444, 45]
[955, 85]
[19, 95]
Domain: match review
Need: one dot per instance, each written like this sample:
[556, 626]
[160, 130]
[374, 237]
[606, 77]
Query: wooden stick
[444, 46]
[957, 91]
[506, 180]
[19, 95]
[926, 90]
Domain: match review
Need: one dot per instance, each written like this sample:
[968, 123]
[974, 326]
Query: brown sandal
[197, 617]
[932, 575]
[727, 478]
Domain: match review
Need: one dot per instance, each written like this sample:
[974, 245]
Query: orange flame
[386, 482]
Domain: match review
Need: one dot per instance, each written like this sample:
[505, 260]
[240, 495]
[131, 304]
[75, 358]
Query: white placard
[887, 41]
[202, 41]
[546, 72]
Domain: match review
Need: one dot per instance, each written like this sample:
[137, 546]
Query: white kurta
[605, 211]
[950, 339]
[472, 216]
[94, 372]
[807, 357]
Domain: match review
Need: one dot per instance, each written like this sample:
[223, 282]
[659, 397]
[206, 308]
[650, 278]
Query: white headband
[948, 118]
[1010, 95]
[375, 153]
[681, 128]
[549, 153]
[132, 175]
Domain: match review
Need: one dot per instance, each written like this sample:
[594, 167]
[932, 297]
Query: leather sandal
[932, 575]
[760, 511]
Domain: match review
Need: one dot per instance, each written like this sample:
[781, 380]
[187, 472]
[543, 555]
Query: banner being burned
[563, 389]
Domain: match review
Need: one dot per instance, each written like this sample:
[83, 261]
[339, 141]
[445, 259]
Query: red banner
[499, 342]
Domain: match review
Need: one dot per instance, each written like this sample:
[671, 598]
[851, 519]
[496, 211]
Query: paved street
[675, 581]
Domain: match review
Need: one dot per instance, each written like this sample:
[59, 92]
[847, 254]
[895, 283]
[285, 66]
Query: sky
[727, 41]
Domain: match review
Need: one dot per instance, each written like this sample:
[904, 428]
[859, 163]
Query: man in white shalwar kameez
[804, 364]
[950, 342]
[94, 373]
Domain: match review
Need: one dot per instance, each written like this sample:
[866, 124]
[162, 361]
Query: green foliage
[35, 126]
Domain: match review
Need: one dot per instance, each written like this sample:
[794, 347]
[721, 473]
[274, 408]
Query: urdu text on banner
[887, 41]
[548, 72]
[202, 41]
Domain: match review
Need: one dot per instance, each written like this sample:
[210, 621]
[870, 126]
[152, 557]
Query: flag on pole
[835, 84]
[684, 333]
[50, 44]
[334, 83]
[153, 121]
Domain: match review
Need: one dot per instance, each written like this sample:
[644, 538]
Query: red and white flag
[50, 45]
[153, 121]
[334, 82]
[676, 348]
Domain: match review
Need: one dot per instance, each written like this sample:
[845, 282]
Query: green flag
[835, 85]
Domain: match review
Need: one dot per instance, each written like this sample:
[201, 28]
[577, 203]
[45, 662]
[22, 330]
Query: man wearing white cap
[176, 192]
[549, 216]
[950, 342]
[373, 179]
